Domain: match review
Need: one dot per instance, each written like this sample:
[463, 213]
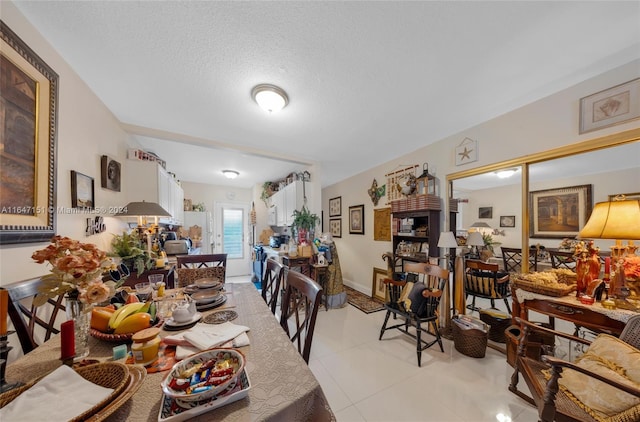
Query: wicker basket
[499, 322]
[109, 375]
[470, 342]
[556, 290]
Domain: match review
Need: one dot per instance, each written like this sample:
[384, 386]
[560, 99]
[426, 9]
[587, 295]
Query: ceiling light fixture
[270, 97]
[230, 174]
[503, 174]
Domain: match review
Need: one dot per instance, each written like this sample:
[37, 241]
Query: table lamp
[617, 219]
[448, 241]
[475, 239]
[143, 210]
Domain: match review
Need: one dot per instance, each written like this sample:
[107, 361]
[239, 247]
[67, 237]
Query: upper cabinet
[285, 201]
[148, 181]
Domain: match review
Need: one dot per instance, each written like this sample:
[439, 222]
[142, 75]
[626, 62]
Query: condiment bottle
[146, 344]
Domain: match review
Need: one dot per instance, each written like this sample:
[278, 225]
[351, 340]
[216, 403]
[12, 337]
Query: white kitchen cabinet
[148, 181]
[287, 200]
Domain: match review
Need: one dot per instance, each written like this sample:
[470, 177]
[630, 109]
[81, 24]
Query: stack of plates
[208, 283]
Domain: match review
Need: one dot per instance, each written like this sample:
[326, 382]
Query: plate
[208, 283]
[203, 297]
[190, 374]
[219, 317]
[218, 302]
[170, 323]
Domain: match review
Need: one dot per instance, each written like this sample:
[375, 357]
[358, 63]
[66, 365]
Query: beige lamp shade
[143, 209]
[613, 220]
[475, 239]
[447, 240]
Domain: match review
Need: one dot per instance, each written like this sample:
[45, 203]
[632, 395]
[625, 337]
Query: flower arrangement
[76, 270]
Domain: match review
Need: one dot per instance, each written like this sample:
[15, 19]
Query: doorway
[232, 236]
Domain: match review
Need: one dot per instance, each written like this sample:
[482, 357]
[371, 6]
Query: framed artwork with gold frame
[29, 101]
[559, 213]
[378, 290]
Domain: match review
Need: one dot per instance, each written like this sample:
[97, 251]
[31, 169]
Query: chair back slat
[271, 282]
[512, 259]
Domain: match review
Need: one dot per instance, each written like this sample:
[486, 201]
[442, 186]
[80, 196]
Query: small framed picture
[335, 206]
[378, 290]
[612, 106]
[110, 173]
[335, 227]
[507, 221]
[356, 219]
[82, 194]
[485, 212]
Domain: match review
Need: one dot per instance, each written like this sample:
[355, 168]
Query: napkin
[59, 396]
[183, 351]
[208, 336]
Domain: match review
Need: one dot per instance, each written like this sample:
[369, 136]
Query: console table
[594, 317]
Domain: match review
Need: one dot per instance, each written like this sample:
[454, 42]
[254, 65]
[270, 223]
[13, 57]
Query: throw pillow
[418, 304]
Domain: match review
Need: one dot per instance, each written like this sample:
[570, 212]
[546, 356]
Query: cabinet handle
[567, 310]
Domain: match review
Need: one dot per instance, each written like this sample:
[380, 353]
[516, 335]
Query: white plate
[204, 297]
[222, 299]
[195, 318]
[208, 283]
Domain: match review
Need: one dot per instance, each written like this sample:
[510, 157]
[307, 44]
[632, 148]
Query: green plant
[128, 247]
[488, 242]
[267, 191]
[304, 220]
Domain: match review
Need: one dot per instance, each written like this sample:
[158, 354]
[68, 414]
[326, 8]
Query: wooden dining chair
[193, 267]
[26, 318]
[562, 259]
[299, 310]
[271, 282]
[512, 259]
[423, 287]
[485, 281]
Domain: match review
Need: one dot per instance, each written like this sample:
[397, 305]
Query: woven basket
[109, 375]
[119, 338]
[557, 290]
[498, 324]
[471, 342]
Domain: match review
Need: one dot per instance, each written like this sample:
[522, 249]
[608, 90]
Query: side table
[319, 274]
[168, 272]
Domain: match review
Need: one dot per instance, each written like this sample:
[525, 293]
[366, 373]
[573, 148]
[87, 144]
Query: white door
[232, 236]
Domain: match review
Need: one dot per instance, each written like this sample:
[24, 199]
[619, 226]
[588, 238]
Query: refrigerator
[199, 225]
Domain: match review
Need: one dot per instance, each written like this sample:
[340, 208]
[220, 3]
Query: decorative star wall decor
[466, 152]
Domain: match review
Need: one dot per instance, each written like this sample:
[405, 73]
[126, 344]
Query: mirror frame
[595, 144]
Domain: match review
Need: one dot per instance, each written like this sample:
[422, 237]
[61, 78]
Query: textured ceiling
[367, 81]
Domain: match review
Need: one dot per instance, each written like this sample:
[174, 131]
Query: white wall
[545, 124]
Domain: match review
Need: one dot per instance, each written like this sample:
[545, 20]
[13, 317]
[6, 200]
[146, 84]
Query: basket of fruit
[118, 322]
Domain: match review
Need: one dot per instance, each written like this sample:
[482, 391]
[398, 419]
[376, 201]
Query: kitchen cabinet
[285, 201]
[148, 181]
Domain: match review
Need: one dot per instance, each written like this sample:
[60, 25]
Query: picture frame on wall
[507, 221]
[82, 191]
[618, 104]
[335, 227]
[378, 290]
[356, 219]
[110, 171]
[559, 213]
[485, 212]
[29, 94]
[335, 206]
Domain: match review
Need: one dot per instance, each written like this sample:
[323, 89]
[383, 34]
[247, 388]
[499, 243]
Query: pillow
[418, 304]
[188, 276]
[614, 359]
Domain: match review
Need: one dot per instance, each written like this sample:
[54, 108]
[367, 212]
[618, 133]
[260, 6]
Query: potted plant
[267, 191]
[304, 222]
[130, 250]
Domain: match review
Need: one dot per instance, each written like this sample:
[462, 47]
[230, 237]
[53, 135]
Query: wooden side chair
[562, 259]
[193, 267]
[512, 259]
[485, 281]
[26, 318]
[416, 301]
[271, 282]
[601, 385]
[299, 311]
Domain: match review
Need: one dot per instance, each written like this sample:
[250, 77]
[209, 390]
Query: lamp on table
[475, 239]
[143, 211]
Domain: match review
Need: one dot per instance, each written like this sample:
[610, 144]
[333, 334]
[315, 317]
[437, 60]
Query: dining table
[282, 385]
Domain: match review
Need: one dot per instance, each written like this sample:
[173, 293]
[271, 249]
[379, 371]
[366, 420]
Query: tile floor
[365, 379]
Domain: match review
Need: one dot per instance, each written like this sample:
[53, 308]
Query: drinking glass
[143, 291]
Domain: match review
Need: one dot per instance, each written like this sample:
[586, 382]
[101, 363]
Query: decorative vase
[80, 313]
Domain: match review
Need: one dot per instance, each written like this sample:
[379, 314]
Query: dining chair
[26, 318]
[192, 267]
[416, 300]
[299, 310]
[271, 282]
[512, 259]
[562, 259]
[486, 281]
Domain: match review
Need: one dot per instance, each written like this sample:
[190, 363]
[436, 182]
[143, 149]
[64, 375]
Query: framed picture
[485, 212]
[81, 191]
[356, 219]
[507, 221]
[335, 206]
[378, 290]
[382, 224]
[559, 213]
[335, 227]
[29, 98]
[612, 106]
[466, 152]
[110, 173]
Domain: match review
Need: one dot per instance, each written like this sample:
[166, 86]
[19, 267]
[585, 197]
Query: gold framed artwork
[28, 109]
[356, 219]
[559, 213]
[335, 227]
[378, 290]
[382, 224]
[612, 106]
[335, 206]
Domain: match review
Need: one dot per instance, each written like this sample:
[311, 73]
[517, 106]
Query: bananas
[120, 314]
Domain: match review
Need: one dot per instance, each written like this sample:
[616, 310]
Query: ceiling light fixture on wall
[270, 97]
[503, 174]
[230, 174]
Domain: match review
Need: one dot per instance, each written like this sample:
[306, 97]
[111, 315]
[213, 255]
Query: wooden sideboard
[168, 272]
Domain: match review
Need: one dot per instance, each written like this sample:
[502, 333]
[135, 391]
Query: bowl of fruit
[118, 321]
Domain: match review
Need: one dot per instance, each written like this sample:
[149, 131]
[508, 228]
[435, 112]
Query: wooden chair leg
[506, 302]
[384, 326]
[419, 343]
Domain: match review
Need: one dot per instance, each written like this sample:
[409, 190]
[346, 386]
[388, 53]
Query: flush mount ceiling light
[503, 174]
[230, 174]
[270, 97]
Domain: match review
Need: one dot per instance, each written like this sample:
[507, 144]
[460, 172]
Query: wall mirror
[607, 166]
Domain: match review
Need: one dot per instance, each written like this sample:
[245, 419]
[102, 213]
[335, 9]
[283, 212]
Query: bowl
[186, 380]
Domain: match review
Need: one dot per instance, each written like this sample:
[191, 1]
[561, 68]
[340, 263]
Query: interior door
[232, 236]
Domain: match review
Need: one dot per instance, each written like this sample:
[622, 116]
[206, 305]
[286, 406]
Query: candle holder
[4, 354]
